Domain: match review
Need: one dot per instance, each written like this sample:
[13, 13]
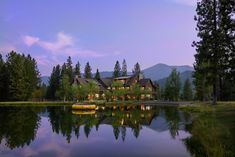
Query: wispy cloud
[63, 41]
[64, 44]
[29, 40]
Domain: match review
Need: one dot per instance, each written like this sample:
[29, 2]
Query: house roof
[107, 82]
[86, 81]
[104, 83]
[122, 77]
[129, 82]
[143, 82]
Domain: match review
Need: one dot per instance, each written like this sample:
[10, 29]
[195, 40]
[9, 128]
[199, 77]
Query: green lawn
[32, 103]
[213, 129]
[59, 103]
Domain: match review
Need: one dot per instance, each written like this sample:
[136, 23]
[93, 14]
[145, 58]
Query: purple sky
[99, 31]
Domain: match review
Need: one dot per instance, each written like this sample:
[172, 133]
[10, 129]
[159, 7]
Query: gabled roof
[85, 81]
[144, 82]
[122, 77]
[129, 82]
[106, 82]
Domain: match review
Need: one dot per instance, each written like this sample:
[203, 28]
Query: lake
[109, 131]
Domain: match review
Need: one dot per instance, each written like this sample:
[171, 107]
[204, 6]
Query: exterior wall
[149, 87]
[134, 80]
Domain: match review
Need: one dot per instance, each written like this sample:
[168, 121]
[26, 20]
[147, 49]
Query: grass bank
[59, 103]
[32, 103]
[213, 129]
[205, 107]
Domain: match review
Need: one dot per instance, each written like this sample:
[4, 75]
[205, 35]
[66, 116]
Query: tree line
[175, 89]
[61, 85]
[19, 77]
[122, 71]
[214, 76]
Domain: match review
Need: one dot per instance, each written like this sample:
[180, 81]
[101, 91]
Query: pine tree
[172, 87]
[97, 74]
[16, 82]
[136, 69]
[227, 40]
[54, 82]
[2, 64]
[87, 71]
[117, 70]
[203, 89]
[77, 70]
[31, 76]
[63, 70]
[187, 90]
[69, 69]
[4, 83]
[65, 88]
[23, 76]
[124, 68]
[215, 28]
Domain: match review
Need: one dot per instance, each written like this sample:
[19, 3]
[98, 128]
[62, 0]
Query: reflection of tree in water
[136, 131]
[209, 138]
[61, 121]
[123, 132]
[77, 131]
[87, 130]
[19, 125]
[116, 132]
[173, 119]
[64, 122]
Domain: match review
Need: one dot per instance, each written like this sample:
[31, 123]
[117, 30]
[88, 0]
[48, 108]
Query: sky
[99, 31]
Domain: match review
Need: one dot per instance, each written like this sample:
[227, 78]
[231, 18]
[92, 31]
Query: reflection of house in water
[146, 85]
[155, 119]
[121, 117]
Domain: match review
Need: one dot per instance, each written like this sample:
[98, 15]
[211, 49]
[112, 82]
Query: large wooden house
[146, 85]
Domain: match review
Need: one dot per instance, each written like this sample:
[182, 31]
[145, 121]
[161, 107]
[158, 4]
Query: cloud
[186, 2]
[63, 41]
[29, 40]
[63, 45]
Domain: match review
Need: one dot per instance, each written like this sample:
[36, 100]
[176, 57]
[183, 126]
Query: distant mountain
[108, 74]
[160, 71]
[105, 74]
[183, 76]
[45, 80]
[156, 72]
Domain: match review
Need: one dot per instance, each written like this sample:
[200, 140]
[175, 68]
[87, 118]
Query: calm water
[60, 131]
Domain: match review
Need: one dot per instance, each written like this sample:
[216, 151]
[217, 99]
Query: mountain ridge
[156, 72]
[160, 71]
